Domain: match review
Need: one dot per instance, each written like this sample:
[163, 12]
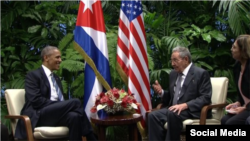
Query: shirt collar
[187, 69]
[46, 70]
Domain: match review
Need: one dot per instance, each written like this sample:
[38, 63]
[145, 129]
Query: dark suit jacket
[245, 84]
[196, 90]
[37, 96]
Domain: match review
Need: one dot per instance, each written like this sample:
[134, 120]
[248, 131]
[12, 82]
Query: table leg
[133, 136]
[102, 133]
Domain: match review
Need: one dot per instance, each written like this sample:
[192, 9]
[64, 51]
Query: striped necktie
[177, 89]
[58, 91]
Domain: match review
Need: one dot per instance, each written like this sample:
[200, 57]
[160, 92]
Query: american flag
[132, 54]
[90, 41]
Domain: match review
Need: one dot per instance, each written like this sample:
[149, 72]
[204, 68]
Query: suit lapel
[188, 80]
[44, 77]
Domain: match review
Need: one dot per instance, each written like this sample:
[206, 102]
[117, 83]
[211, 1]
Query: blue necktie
[177, 89]
[58, 91]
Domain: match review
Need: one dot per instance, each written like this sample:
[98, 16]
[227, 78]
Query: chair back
[15, 99]
[219, 95]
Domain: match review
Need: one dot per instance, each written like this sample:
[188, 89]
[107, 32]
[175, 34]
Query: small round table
[117, 120]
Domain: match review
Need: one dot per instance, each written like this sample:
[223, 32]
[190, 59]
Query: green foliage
[78, 86]
[111, 35]
[4, 112]
[238, 15]
[11, 11]
[111, 10]
[15, 63]
[207, 33]
[49, 25]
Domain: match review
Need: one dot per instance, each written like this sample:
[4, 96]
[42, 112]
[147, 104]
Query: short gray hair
[47, 51]
[183, 52]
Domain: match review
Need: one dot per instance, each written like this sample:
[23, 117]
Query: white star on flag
[88, 5]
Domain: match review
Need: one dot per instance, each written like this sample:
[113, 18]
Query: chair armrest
[205, 110]
[27, 124]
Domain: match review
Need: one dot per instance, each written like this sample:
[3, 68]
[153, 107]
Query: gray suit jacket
[196, 90]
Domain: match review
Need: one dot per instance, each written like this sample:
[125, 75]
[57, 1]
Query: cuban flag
[90, 41]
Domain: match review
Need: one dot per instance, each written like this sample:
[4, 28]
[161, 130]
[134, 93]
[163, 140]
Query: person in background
[45, 104]
[189, 90]
[237, 113]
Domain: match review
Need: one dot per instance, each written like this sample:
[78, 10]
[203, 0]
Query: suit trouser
[156, 121]
[68, 113]
[235, 119]
[248, 121]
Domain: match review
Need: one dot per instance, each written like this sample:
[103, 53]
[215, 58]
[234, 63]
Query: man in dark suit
[189, 90]
[45, 104]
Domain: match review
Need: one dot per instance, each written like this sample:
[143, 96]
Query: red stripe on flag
[138, 88]
[122, 64]
[138, 38]
[123, 47]
[140, 44]
[140, 21]
[124, 28]
[142, 121]
[139, 66]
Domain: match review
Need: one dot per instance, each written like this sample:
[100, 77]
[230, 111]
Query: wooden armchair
[219, 94]
[15, 99]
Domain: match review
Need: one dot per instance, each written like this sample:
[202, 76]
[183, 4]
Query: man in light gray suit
[189, 90]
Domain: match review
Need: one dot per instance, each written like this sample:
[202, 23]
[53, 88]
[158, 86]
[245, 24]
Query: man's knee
[74, 116]
[150, 116]
[75, 101]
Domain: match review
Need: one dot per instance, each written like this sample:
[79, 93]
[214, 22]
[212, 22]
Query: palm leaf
[234, 19]
[72, 65]
[17, 83]
[156, 74]
[14, 10]
[237, 11]
[66, 40]
[78, 86]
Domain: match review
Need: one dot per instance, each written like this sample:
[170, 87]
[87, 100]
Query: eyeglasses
[175, 60]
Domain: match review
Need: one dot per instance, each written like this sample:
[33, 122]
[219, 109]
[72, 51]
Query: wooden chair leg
[183, 137]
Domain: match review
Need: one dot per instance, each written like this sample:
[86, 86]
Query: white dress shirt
[53, 96]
